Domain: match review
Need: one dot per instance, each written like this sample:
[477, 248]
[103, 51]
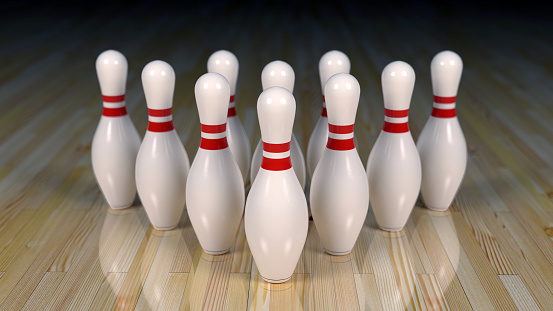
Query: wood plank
[174, 290]
[344, 284]
[446, 273]
[242, 256]
[401, 259]
[388, 289]
[218, 282]
[107, 296]
[519, 292]
[468, 274]
[44, 290]
[196, 286]
[367, 292]
[132, 286]
[238, 290]
[432, 293]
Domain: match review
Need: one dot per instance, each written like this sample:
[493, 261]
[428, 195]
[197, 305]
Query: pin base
[120, 206]
[216, 252]
[164, 228]
[338, 253]
[391, 229]
[276, 281]
[437, 209]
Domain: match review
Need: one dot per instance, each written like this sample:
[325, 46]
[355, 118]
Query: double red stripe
[444, 100]
[276, 164]
[114, 112]
[214, 144]
[340, 144]
[276, 148]
[113, 99]
[323, 113]
[340, 129]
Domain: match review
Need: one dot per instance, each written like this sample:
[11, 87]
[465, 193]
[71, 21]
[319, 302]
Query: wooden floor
[62, 247]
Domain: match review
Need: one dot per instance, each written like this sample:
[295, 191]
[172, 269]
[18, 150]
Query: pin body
[394, 168]
[331, 63]
[441, 144]
[162, 164]
[339, 189]
[116, 140]
[276, 219]
[225, 63]
[279, 73]
[214, 190]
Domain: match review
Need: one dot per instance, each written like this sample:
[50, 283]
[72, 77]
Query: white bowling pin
[162, 163]
[214, 189]
[276, 209]
[116, 140]
[279, 73]
[441, 144]
[394, 167]
[331, 63]
[225, 63]
[339, 188]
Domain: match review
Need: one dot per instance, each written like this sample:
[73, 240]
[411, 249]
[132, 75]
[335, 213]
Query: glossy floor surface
[62, 247]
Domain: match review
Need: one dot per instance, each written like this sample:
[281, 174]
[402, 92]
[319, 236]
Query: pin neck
[276, 157]
[444, 107]
[114, 106]
[231, 107]
[396, 121]
[214, 137]
[160, 120]
[340, 137]
[323, 113]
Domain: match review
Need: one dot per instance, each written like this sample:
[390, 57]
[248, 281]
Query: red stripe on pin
[276, 164]
[323, 113]
[160, 126]
[444, 100]
[114, 112]
[214, 144]
[396, 127]
[276, 148]
[324, 99]
[113, 99]
[340, 129]
[159, 112]
[231, 112]
[231, 99]
[396, 113]
[340, 144]
[214, 129]
[443, 113]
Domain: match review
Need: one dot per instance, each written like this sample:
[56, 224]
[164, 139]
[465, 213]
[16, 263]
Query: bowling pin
[162, 163]
[339, 188]
[331, 63]
[276, 209]
[214, 189]
[116, 140]
[394, 167]
[442, 146]
[279, 73]
[225, 63]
